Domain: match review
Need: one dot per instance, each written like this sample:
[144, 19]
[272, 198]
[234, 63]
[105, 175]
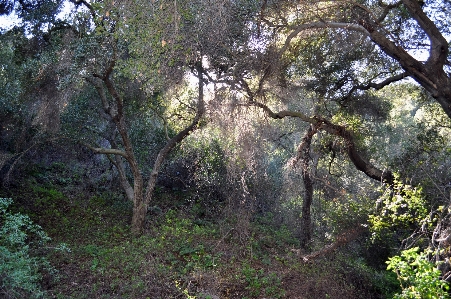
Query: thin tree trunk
[119, 164]
[356, 157]
[306, 218]
[142, 203]
[123, 178]
[141, 198]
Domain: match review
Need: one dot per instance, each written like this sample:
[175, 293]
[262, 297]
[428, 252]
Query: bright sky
[7, 22]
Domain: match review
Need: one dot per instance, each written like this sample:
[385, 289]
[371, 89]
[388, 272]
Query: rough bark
[306, 218]
[117, 116]
[123, 178]
[141, 197]
[430, 74]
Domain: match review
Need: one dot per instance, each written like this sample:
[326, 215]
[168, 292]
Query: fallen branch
[341, 240]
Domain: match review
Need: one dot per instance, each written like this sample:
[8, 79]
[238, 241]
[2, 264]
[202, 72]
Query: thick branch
[118, 115]
[177, 138]
[101, 92]
[322, 25]
[117, 161]
[430, 75]
[284, 113]
[107, 151]
[355, 156]
[411, 65]
[380, 85]
[141, 206]
[112, 90]
[439, 46]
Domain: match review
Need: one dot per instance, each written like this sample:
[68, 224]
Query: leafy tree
[336, 54]
[30, 99]
[99, 55]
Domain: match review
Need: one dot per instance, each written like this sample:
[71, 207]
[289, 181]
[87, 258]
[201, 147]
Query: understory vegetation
[225, 149]
[185, 252]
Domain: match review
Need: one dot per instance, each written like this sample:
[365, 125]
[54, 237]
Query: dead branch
[341, 240]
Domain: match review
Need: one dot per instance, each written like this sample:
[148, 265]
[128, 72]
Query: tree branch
[177, 138]
[378, 86]
[412, 66]
[341, 240]
[439, 46]
[387, 8]
[322, 124]
[108, 151]
[322, 25]
[384, 83]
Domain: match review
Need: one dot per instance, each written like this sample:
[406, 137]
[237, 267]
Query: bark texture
[140, 208]
[306, 218]
[431, 74]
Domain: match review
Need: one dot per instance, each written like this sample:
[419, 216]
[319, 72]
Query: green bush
[418, 277]
[259, 283]
[402, 209]
[21, 255]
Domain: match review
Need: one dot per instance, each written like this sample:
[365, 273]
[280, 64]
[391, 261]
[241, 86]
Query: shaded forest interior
[225, 149]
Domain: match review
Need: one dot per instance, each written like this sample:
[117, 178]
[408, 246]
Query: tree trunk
[141, 204]
[141, 198]
[129, 191]
[306, 218]
[356, 157]
[139, 208]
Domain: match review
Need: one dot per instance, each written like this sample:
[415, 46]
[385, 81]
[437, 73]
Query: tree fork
[355, 156]
[140, 210]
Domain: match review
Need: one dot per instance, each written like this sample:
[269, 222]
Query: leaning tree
[339, 53]
[155, 45]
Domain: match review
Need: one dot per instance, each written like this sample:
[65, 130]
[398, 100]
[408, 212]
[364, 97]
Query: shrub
[21, 262]
[418, 277]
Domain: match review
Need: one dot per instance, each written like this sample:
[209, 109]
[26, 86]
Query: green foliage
[343, 212]
[21, 265]
[260, 283]
[419, 278]
[270, 235]
[403, 208]
[182, 239]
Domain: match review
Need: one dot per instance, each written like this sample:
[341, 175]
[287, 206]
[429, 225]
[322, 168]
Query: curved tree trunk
[431, 74]
[141, 197]
[356, 157]
[141, 204]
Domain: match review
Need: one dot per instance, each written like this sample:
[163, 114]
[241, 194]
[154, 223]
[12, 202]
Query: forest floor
[187, 251]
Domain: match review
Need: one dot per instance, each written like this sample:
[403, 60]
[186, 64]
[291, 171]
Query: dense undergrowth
[187, 250]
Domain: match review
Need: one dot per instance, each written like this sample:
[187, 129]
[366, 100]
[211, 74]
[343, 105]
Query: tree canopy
[332, 116]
